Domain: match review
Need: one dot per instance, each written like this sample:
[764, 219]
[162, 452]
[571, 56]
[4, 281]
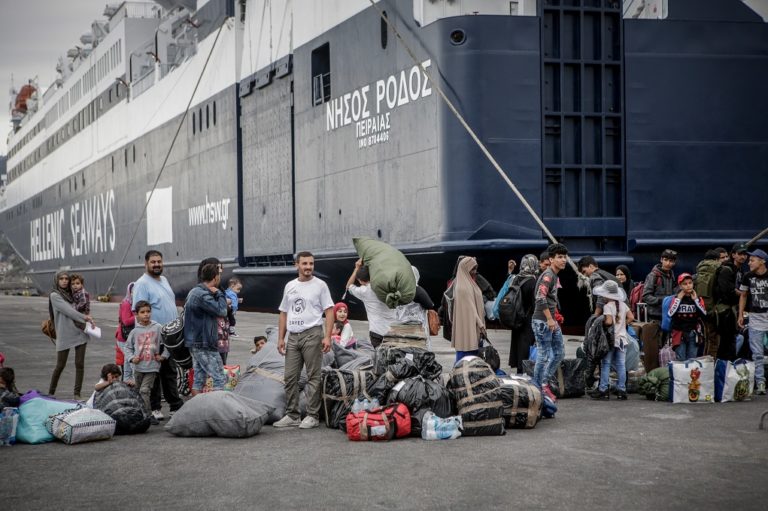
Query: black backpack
[512, 314]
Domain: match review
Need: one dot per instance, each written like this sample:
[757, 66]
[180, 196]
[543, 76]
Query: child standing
[686, 310]
[9, 394]
[143, 353]
[342, 331]
[233, 290]
[616, 313]
[80, 297]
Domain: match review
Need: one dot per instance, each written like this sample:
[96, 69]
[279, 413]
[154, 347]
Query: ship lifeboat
[24, 94]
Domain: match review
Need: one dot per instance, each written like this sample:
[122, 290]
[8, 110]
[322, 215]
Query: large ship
[260, 128]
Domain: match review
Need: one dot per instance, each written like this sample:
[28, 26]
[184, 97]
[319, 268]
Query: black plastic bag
[124, 404]
[569, 379]
[477, 392]
[522, 403]
[423, 360]
[420, 395]
[487, 352]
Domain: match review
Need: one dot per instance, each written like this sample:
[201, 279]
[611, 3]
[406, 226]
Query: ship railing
[141, 84]
[135, 10]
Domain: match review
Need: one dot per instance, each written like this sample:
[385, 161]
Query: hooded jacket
[658, 285]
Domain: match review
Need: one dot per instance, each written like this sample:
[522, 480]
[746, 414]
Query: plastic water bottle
[359, 405]
[373, 404]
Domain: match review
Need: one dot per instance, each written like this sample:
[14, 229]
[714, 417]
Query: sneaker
[546, 390]
[621, 395]
[761, 388]
[158, 415]
[309, 423]
[599, 394]
[232, 332]
[153, 421]
[286, 422]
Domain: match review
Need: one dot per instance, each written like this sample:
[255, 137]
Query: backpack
[706, 278]
[666, 319]
[636, 296]
[383, 423]
[511, 311]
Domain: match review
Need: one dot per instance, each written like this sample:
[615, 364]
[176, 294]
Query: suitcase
[650, 335]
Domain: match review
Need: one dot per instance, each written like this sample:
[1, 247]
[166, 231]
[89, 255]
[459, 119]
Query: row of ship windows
[99, 70]
[81, 120]
[197, 118]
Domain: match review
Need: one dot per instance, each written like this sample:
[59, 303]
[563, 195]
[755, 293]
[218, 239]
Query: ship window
[113, 163]
[125, 155]
[207, 117]
[83, 178]
[110, 95]
[321, 74]
[117, 90]
[200, 120]
[134, 154]
[384, 29]
[214, 113]
[193, 123]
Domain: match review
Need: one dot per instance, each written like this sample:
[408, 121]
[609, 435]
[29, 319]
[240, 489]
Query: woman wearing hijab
[68, 335]
[468, 310]
[125, 324]
[522, 338]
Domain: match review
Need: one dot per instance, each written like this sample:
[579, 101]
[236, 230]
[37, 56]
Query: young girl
[616, 314]
[342, 331]
[9, 394]
[81, 298]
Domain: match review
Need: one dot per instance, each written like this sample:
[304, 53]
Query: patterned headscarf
[529, 265]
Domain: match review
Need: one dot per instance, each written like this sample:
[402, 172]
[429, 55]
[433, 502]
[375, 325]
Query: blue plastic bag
[32, 417]
[9, 420]
[436, 428]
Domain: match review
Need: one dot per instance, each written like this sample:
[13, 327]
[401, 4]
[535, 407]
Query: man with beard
[152, 287]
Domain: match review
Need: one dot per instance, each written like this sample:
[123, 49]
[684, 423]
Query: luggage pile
[568, 380]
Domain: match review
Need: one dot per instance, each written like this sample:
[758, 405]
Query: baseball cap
[739, 248]
[684, 276]
[759, 253]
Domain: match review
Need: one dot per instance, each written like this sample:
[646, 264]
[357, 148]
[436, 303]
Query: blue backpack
[666, 319]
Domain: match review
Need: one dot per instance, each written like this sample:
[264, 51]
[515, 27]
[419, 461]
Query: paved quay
[634, 455]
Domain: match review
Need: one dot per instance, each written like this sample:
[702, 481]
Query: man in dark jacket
[726, 300]
[659, 284]
[205, 302]
[587, 266]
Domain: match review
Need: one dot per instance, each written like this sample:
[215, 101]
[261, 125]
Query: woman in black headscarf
[624, 276]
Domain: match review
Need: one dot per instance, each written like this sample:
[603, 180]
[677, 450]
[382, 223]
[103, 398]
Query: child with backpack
[616, 314]
[686, 312]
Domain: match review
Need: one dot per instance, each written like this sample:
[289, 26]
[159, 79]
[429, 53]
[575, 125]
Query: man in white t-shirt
[380, 317]
[305, 299]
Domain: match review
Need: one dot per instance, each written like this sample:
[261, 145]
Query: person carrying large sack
[305, 299]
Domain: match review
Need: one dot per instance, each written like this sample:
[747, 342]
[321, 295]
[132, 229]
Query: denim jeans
[207, 363]
[687, 348]
[756, 346]
[617, 358]
[550, 351]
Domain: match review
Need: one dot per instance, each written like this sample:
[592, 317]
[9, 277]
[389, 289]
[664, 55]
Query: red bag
[384, 423]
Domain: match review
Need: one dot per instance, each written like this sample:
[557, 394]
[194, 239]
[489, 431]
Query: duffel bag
[173, 340]
[383, 423]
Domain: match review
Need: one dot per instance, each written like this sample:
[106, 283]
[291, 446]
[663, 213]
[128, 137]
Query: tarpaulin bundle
[125, 406]
[423, 360]
[340, 389]
[421, 395]
[568, 380]
[522, 402]
[655, 385]
[477, 392]
[392, 278]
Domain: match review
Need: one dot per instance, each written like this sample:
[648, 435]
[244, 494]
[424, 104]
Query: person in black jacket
[522, 338]
[726, 298]
[659, 284]
[587, 266]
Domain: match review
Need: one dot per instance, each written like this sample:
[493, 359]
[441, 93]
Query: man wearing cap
[754, 286]
[727, 301]
[659, 284]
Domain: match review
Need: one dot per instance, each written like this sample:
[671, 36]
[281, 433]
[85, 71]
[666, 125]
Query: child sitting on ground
[258, 342]
[686, 310]
[110, 373]
[143, 353]
[232, 292]
[9, 394]
[342, 331]
[80, 297]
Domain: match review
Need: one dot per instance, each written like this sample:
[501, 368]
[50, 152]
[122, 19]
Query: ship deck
[594, 455]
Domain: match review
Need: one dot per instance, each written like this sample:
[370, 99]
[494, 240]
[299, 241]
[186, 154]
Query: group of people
[707, 313]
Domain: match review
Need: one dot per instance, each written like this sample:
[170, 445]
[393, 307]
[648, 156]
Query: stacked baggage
[478, 396]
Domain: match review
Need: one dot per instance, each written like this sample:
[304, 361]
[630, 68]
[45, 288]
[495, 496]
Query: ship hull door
[582, 122]
[267, 184]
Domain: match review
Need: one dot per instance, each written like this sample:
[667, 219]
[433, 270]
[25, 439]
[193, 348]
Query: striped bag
[82, 425]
